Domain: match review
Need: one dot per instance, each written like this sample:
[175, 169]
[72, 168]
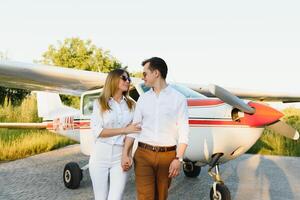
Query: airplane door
[86, 108]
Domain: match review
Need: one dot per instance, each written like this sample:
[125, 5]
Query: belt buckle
[156, 149]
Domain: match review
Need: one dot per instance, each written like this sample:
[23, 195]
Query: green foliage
[70, 100]
[26, 112]
[13, 96]
[79, 54]
[271, 143]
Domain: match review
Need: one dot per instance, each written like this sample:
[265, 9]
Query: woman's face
[124, 82]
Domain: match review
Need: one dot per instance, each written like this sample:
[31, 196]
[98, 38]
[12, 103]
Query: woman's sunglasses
[125, 78]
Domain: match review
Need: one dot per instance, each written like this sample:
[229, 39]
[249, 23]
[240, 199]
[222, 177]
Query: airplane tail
[50, 106]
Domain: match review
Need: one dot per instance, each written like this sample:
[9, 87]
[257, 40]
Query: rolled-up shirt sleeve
[183, 122]
[137, 118]
[96, 120]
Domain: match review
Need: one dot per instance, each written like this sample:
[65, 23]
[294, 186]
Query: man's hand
[174, 168]
[126, 162]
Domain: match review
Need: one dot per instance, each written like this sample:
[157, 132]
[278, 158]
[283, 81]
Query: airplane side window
[88, 101]
[134, 94]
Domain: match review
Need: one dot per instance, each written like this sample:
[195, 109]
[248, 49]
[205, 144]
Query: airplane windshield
[144, 87]
[187, 92]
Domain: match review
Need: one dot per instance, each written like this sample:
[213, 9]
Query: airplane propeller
[279, 127]
[284, 129]
[231, 99]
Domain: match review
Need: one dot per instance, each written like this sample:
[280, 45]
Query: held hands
[174, 168]
[126, 162]
[132, 128]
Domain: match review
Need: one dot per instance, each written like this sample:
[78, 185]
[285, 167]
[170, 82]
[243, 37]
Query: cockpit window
[88, 101]
[144, 88]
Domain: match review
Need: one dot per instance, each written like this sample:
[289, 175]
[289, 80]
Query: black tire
[223, 192]
[72, 175]
[192, 173]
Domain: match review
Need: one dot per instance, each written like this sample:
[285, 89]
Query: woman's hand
[126, 162]
[132, 128]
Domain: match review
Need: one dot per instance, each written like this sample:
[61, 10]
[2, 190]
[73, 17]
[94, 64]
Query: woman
[110, 122]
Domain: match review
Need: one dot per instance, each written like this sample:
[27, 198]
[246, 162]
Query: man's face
[149, 76]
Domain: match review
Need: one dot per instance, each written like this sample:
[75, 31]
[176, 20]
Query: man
[163, 116]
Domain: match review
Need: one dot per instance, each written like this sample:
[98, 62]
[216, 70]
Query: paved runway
[252, 177]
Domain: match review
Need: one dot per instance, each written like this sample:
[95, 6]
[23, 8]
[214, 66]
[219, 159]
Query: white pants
[107, 175]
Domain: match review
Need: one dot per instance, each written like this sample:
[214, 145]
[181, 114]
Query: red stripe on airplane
[204, 102]
[213, 122]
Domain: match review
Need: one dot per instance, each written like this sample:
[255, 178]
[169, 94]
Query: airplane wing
[250, 94]
[36, 77]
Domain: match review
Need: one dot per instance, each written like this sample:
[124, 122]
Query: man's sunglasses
[125, 78]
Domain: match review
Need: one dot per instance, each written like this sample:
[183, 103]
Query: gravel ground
[248, 177]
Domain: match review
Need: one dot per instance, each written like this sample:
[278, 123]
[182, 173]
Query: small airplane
[222, 125]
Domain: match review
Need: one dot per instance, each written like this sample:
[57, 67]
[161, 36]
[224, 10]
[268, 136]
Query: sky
[242, 44]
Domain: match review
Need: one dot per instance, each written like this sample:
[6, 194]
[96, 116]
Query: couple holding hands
[159, 123]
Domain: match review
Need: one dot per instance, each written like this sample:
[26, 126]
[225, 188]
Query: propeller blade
[229, 98]
[285, 130]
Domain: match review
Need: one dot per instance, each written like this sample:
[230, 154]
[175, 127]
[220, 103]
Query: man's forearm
[128, 145]
[181, 149]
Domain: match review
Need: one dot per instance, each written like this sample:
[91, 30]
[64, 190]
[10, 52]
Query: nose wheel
[219, 190]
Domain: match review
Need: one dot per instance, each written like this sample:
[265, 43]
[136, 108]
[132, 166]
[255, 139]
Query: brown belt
[156, 148]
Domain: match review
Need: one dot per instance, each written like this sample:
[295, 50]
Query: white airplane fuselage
[213, 129]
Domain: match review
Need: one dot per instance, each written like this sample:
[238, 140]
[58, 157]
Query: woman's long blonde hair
[110, 88]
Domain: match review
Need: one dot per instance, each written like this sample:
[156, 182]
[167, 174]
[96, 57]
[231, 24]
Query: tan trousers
[151, 173]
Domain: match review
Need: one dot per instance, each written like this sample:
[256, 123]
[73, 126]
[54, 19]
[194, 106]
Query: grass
[26, 112]
[21, 143]
[271, 143]
[16, 144]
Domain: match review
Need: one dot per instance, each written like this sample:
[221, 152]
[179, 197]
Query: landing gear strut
[219, 190]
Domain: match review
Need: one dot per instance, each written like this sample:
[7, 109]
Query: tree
[137, 74]
[12, 96]
[79, 54]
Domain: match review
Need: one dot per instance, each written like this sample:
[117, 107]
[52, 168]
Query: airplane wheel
[222, 192]
[191, 170]
[72, 175]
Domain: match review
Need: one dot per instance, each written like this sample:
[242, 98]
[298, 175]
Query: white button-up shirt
[163, 118]
[118, 117]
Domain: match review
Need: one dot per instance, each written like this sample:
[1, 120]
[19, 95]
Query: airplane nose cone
[264, 115]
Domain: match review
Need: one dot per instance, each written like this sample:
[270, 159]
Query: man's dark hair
[157, 63]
